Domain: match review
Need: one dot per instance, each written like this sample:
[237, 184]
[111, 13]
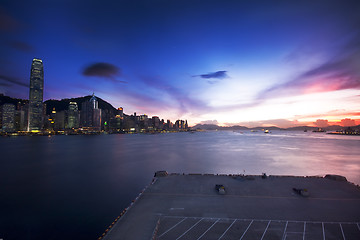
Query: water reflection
[67, 187]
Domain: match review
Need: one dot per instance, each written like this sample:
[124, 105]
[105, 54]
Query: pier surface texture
[189, 207]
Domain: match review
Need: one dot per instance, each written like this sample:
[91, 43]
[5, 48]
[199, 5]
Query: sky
[250, 63]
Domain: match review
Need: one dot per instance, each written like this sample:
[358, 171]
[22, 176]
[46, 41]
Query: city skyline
[229, 63]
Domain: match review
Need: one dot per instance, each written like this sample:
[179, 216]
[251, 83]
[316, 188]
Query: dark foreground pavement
[189, 207]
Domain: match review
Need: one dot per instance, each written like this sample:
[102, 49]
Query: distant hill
[15, 101]
[216, 127]
[59, 105]
[235, 127]
[268, 128]
[300, 128]
[206, 127]
[63, 104]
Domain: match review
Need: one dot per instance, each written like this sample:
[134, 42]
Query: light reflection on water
[67, 187]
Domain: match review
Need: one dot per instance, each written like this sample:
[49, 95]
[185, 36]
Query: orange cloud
[331, 114]
[347, 122]
[321, 123]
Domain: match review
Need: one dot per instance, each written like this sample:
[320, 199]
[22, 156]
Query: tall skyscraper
[36, 95]
[91, 114]
[73, 115]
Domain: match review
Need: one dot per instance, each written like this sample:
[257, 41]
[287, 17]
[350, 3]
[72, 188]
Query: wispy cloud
[5, 84]
[340, 72]
[335, 113]
[185, 103]
[104, 70]
[281, 123]
[12, 80]
[21, 46]
[214, 122]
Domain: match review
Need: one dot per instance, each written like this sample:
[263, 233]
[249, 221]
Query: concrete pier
[189, 207]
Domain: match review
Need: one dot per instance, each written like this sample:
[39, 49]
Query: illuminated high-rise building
[73, 115]
[8, 117]
[36, 96]
[91, 114]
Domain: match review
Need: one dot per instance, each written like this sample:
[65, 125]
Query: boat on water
[319, 130]
[267, 131]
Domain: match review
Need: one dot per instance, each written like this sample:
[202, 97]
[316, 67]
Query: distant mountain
[63, 104]
[300, 128]
[59, 105]
[334, 128]
[237, 127]
[216, 127]
[15, 101]
[206, 127]
[268, 128]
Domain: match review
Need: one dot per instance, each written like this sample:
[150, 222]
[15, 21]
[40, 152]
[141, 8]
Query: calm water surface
[73, 187]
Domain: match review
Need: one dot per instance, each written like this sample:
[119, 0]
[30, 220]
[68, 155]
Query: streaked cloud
[12, 80]
[21, 46]
[184, 102]
[214, 122]
[334, 113]
[281, 123]
[340, 71]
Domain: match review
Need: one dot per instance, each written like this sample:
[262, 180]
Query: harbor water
[73, 187]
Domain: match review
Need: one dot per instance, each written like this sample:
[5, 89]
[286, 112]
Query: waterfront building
[144, 122]
[116, 124]
[60, 119]
[120, 112]
[181, 125]
[90, 115]
[51, 120]
[73, 115]
[8, 117]
[156, 122]
[21, 115]
[97, 119]
[35, 114]
[143, 117]
[168, 125]
[177, 124]
[129, 122]
[20, 120]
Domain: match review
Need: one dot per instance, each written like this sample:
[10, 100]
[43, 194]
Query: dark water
[73, 187]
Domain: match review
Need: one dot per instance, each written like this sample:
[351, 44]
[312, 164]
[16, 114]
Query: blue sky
[281, 63]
